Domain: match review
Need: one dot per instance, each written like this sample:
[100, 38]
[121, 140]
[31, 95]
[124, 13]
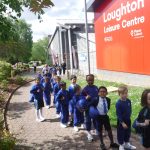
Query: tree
[13, 9]
[39, 50]
[19, 44]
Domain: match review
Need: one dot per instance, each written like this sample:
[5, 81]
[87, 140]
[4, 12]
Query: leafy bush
[5, 70]
[19, 80]
[4, 84]
[15, 72]
[7, 142]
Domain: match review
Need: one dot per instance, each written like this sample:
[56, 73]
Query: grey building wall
[82, 53]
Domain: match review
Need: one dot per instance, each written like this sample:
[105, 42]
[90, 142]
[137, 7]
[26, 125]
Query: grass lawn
[134, 95]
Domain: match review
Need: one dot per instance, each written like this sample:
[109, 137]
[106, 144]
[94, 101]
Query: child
[63, 99]
[71, 93]
[99, 112]
[37, 91]
[90, 91]
[56, 90]
[53, 82]
[123, 111]
[78, 116]
[47, 92]
[31, 100]
[143, 120]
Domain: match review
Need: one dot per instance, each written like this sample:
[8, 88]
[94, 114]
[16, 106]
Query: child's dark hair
[102, 87]
[73, 77]
[89, 75]
[77, 88]
[62, 83]
[122, 89]
[144, 97]
[58, 77]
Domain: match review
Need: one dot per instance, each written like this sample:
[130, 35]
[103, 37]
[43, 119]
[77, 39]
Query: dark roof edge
[51, 39]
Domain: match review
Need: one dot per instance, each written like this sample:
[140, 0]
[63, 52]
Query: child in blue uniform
[71, 93]
[53, 82]
[56, 90]
[78, 116]
[40, 78]
[143, 120]
[37, 91]
[47, 92]
[101, 106]
[90, 92]
[123, 111]
[63, 98]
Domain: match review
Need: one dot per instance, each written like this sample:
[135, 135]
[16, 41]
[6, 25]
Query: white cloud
[70, 9]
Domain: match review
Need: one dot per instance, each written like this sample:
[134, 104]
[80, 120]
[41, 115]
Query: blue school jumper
[63, 105]
[123, 111]
[57, 104]
[37, 91]
[93, 92]
[46, 93]
[78, 117]
[71, 94]
[31, 99]
[53, 82]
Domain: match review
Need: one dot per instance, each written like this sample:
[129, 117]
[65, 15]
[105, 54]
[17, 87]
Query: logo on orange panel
[137, 33]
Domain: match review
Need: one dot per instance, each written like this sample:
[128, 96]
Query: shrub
[7, 142]
[5, 70]
[19, 80]
[4, 84]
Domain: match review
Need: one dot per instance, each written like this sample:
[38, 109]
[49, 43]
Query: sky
[63, 9]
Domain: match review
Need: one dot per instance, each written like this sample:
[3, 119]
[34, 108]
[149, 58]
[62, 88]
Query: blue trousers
[47, 98]
[123, 135]
[64, 114]
[88, 121]
[58, 107]
[78, 117]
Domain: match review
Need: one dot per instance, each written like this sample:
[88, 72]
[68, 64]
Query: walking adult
[63, 66]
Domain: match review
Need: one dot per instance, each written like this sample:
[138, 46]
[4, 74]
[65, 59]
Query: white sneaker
[90, 137]
[129, 146]
[76, 129]
[42, 119]
[48, 106]
[121, 147]
[38, 120]
[63, 125]
[57, 116]
[82, 126]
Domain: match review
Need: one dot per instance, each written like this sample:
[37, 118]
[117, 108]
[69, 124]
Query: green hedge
[5, 70]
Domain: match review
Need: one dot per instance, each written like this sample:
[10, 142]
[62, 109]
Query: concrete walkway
[47, 135]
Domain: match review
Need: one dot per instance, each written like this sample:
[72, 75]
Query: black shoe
[70, 123]
[114, 145]
[103, 147]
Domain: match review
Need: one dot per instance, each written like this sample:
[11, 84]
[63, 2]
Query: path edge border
[5, 109]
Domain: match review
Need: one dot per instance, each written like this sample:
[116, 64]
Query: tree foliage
[13, 9]
[19, 43]
[39, 50]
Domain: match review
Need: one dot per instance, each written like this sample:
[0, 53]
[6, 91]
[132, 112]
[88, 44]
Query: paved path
[46, 135]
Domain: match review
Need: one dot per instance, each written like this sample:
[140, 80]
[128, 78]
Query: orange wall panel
[126, 47]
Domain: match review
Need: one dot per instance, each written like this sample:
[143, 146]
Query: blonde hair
[122, 89]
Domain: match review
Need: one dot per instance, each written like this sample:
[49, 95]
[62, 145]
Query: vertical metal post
[87, 38]
[60, 43]
[70, 51]
[65, 38]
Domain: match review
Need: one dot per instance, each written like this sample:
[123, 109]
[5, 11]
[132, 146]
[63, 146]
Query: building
[68, 43]
[122, 39]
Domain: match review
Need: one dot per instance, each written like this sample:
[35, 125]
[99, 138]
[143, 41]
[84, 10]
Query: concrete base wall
[126, 78]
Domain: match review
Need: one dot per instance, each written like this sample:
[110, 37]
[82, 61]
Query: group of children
[90, 105]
